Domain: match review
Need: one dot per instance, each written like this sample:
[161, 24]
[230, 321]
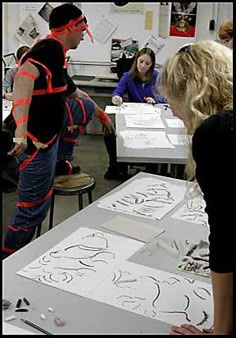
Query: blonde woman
[226, 33]
[197, 82]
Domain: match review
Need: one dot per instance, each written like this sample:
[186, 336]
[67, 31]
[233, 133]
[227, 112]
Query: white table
[83, 315]
[176, 155]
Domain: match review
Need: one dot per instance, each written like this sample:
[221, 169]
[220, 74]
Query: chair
[68, 185]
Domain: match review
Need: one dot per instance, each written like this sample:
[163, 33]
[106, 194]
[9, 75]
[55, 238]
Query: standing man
[40, 90]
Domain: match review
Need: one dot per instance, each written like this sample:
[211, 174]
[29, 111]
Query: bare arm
[22, 89]
[222, 284]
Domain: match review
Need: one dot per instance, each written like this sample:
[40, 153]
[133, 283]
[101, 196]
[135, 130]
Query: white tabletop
[84, 315]
[176, 155]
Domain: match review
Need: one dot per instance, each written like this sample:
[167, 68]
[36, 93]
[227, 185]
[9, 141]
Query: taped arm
[99, 112]
[22, 95]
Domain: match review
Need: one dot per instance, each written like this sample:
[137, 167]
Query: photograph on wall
[183, 19]
[28, 31]
[45, 11]
[122, 53]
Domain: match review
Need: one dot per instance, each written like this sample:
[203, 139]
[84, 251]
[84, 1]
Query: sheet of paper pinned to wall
[103, 30]
[157, 294]
[145, 197]
[145, 139]
[148, 25]
[80, 261]
[134, 229]
[144, 121]
[28, 31]
[156, 44]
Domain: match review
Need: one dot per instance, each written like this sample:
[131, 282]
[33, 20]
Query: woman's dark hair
[20, 51]
[134, 73]
[61, 15]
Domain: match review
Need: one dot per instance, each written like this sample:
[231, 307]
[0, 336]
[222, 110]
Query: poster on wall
[122, 49]
[28, 31]
[45, 11]
[183, 19]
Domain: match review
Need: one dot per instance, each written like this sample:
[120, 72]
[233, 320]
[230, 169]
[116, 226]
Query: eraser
[7, 319]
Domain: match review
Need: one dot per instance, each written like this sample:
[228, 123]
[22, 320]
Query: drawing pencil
[35, 326]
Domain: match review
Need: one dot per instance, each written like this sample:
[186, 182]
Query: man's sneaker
[66, 168]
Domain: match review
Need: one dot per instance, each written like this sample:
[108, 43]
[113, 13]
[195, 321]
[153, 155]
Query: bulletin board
[138, 23]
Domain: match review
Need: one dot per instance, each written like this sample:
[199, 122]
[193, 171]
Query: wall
[129, 25]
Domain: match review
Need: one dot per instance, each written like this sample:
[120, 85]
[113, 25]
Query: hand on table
[188, 330]
[149, 100]
[117, 100]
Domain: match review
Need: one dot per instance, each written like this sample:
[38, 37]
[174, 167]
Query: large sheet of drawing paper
[179, 139]
[137, 230]
[175, 123]
[193, 211]
[157, 294]
[138, 139]
[143, 121]
[138, 108]
[196, 259]
[81, 260]
[146, 197]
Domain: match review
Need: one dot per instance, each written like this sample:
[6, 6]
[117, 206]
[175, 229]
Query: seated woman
[140, 84]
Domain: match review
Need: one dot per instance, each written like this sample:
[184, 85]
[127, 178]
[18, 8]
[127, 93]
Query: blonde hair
[198, 80]
[226, 30]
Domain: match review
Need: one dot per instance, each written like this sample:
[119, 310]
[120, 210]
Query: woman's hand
[117, 100]
[189, 330]
[149, 100]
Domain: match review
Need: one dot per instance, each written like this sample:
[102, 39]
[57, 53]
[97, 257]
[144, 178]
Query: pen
[35, 326]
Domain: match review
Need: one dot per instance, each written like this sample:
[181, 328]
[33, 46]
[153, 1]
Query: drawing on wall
[193, 211]
[122, 54]
[28, 31]
[196, 259]
[103, 30]
[183, 19]
[157, 294]
[156, 44]
[45, 11]
[145, 197]
[80, 261]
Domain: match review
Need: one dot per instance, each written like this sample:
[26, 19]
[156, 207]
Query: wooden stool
[68, 185]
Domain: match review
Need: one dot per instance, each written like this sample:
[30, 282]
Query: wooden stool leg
[80, 198]
[51, 212]
[90, 197]
[38, 233]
